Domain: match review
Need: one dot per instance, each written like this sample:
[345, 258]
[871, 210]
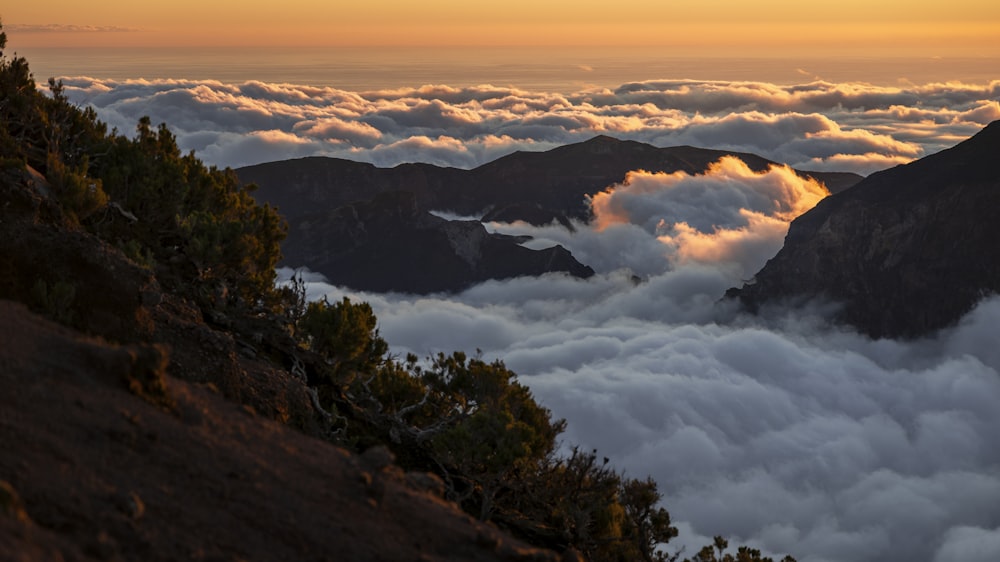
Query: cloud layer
[64, 28]
[785, 433]
[818, 126]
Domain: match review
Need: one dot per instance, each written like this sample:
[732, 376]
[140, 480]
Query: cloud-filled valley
[784, 432]
[781, 431]
[818, 126]
[791, 435]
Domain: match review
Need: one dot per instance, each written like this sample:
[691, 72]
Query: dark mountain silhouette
[907, 251]
[530, 186]
[560, 179]
[342, 227]
[388, 244]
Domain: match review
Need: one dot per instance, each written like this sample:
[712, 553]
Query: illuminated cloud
[707, 201]
[65, 28]
[729, 217]
[820, 125]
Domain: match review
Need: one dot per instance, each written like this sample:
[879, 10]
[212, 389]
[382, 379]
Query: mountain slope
[89, 471]
[388, 244]
[184, 440]
[907, 251]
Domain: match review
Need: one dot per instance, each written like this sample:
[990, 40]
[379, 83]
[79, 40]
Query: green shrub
[79, 195]
[55, 301]
[347, 335]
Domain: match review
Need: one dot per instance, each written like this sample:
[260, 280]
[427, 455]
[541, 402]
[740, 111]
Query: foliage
[579, 501]
[646, 525]
[79, 195]
[292, 297]
[716, 553]
[18, 111]
[55, 301]
[197, 226]
[477, 427]
[497, 430]
[346, 334]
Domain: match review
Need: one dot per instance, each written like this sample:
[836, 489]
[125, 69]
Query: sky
[765, 27]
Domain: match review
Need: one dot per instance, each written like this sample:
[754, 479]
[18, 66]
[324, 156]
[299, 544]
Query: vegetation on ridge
[467, 420]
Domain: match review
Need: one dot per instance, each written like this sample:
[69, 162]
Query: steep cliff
[389, 244]
[906, 252]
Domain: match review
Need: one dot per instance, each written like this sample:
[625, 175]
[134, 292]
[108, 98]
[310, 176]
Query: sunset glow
[665, 147]
[759, 28]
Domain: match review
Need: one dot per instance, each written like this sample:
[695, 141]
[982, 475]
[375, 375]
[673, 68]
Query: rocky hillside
[180, 445]
[905, 252]
[91, 471]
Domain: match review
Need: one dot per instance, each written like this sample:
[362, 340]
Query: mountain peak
[603, 139]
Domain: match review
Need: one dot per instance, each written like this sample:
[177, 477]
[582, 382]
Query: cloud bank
[795, 438]
[819, 126]
[67, 28]
[786, 433]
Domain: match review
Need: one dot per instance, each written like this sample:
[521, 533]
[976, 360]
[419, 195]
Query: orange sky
[910, 27]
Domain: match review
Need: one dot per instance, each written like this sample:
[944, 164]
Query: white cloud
[824, 126]
[729, 217]
[856, 454]
[818, 443]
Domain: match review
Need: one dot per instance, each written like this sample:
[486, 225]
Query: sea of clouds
[781, 431]
[817, 126]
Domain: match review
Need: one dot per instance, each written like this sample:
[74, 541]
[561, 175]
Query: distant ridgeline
[905, 252]
[370, 228]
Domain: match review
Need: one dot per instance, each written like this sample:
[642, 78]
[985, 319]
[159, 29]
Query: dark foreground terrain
[182, 445]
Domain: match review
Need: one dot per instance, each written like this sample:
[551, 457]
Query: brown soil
[93, 471]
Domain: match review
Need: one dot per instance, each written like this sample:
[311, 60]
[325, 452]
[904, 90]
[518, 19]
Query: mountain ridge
[558, 179]
[906, 252]
[315, 194]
